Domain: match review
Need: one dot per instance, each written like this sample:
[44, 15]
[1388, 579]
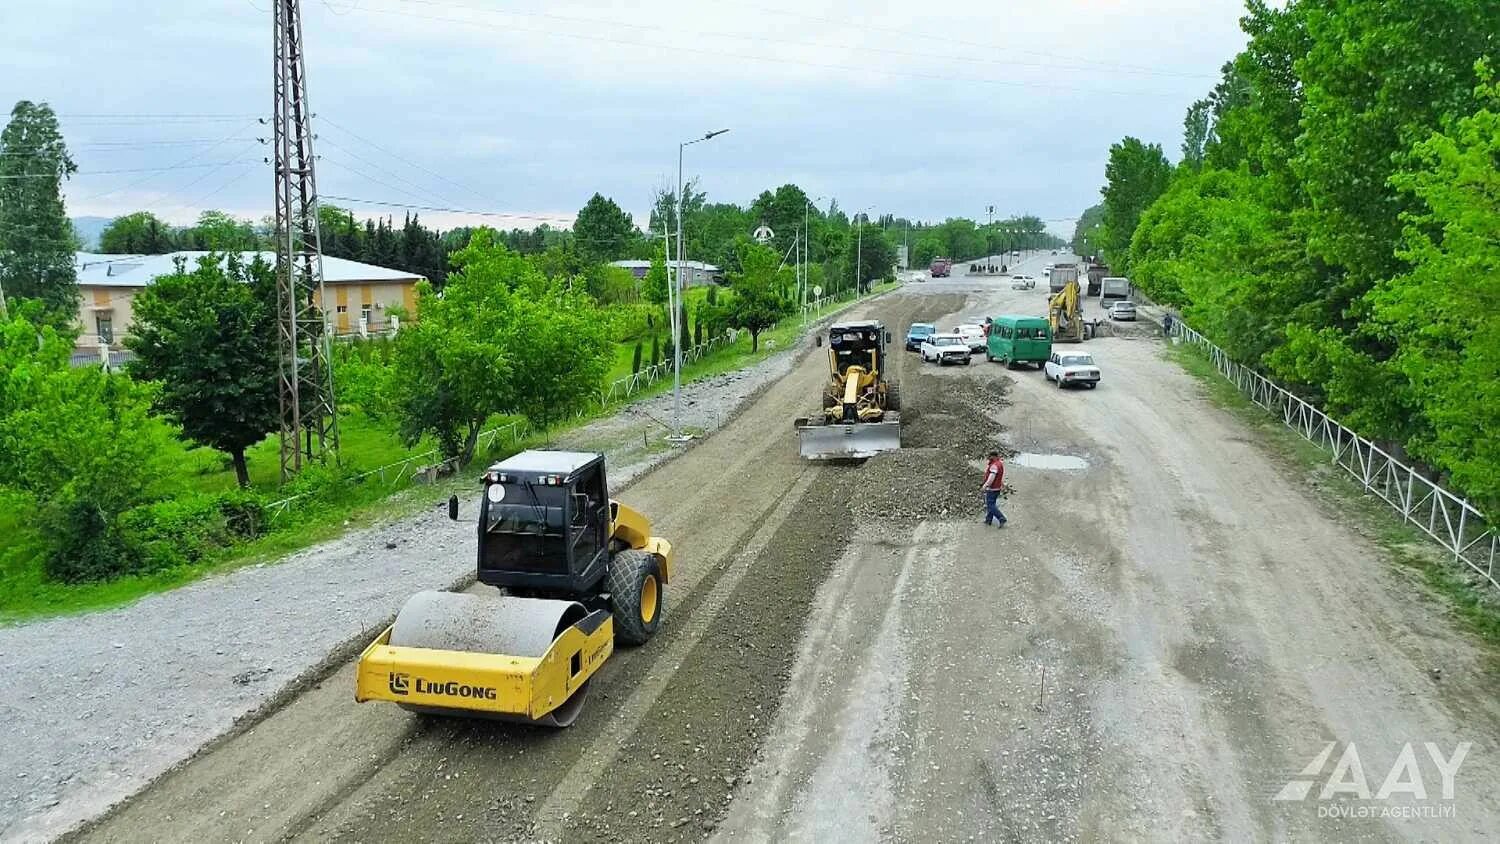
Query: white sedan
[945, 349]
[973, 334]
[1069, 367]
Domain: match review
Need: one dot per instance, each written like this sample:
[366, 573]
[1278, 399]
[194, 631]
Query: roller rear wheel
[637, 596]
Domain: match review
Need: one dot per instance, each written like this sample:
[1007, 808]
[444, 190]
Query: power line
[1082, 65]
[947, 39]
[363, 175]
[541, 218]
[116, 172]
[408, 162]
[194, 157]
[380, 169]
[798, 62]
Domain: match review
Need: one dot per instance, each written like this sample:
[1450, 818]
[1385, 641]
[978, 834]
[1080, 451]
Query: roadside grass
[1473, 601]
[25, 593]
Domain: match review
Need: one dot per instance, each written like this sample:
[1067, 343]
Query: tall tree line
[1335, 219]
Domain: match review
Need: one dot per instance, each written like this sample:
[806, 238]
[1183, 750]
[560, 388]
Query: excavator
[1065, 313]
[860, 407]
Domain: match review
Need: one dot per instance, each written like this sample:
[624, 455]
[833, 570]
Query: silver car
[1122, 311]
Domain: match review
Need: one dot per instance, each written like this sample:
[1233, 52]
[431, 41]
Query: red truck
[940, 267]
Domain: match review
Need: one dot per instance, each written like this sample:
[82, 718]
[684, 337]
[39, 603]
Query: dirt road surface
[852, 655]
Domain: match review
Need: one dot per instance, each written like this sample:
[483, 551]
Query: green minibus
[1018, 339]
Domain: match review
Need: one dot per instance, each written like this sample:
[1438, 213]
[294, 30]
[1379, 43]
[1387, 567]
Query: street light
[675, 303]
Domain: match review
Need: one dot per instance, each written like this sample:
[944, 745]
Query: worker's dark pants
[992, 507]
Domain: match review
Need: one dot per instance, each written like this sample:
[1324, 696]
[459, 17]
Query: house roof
[98, 270]
[692, 265]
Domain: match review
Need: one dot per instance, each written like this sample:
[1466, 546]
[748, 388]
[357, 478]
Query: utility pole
[309, 417]
[677, 305]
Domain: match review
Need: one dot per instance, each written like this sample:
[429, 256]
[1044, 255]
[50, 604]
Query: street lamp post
[675, 302]
[807, 202]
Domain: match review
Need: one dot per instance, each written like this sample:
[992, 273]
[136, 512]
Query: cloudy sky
[927, 110]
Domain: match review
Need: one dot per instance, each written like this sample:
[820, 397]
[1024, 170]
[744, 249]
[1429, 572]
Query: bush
[173, 533]
[82, 544]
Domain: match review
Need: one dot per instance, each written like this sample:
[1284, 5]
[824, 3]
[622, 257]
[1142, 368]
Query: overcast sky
[928, 110]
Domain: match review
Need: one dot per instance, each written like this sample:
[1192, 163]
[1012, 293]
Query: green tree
[36, 239]
[217, 231]
[1086, 234]
[501, 339]
[758, 303]
[603, 230]
[1136, 174]
[141, 233]
[207, 336]
[1197, 133]
[654, 287]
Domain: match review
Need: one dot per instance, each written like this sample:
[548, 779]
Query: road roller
[579, 572]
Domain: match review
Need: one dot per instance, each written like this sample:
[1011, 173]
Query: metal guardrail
[393, 473]
[1449, 519]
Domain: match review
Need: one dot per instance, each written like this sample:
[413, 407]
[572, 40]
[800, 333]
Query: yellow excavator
[1066, 315]
[859, 407]
[580, 571]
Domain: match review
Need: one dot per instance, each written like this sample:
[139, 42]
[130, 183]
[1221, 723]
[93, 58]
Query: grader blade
[849, 441]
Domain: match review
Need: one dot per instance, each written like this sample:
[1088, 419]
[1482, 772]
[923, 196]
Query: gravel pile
[98, 705]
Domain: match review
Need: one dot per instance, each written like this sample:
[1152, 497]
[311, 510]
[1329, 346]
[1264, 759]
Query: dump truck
[1096, 274]
[581, 571]
[940, 267]
[859, 408]
[1059, 275]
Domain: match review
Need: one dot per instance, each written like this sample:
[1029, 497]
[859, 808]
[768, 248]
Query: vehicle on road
[1015, 339]
[918, 332]
[1022, 282]
[1096, 275]
[944, 349]
[940, 267]
[1122, 309]
[1112, 288]
[581, 570]
[1066, 367]
[973, 334]
[1059, 276]
[858, 405]
[1065, 314]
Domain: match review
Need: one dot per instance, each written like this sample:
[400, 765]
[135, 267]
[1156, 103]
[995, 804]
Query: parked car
[918, 332]
[1015, 339]
[1122, 310]
[945, 348]
[1022, 282]
[1071, 367]
[973, 334]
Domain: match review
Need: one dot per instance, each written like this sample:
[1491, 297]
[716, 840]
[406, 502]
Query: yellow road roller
[580, 572]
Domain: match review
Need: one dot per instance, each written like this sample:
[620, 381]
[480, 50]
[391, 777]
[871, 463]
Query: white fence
[624, 388]
[1450, 520]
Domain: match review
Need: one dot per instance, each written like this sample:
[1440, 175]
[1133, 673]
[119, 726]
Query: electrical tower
[309, 418]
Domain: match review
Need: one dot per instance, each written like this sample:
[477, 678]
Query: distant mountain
[89, 229]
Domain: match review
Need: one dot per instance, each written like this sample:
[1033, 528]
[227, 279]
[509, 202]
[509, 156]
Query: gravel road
[1155, 645]
[98, 705]
[1151, 649]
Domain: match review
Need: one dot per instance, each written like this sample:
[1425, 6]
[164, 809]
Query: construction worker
[994, 480]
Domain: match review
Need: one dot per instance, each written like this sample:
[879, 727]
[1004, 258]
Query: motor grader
[580, 571]
[859, 406]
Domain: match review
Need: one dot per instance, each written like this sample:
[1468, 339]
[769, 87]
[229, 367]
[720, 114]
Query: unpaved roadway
[852, 655]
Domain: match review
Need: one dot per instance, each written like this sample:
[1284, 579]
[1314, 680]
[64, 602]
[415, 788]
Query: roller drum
[458, 621]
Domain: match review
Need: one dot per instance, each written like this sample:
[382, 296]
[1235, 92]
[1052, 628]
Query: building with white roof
[694, 273]
[362, 294]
